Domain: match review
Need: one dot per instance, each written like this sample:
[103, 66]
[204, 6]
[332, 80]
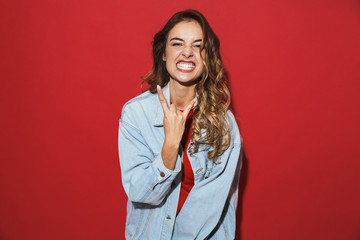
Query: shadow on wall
[242, 186]
[244, 168]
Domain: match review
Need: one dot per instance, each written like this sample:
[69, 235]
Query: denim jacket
[153, 190]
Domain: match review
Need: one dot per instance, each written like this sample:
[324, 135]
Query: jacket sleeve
[144, 175]
[214, 198]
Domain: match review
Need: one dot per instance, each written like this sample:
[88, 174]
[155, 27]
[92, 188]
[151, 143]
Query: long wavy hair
[210, 127]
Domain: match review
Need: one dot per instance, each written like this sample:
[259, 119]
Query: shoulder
[143, 104]
[234, 129]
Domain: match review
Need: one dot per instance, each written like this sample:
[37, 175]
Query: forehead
[186, 30]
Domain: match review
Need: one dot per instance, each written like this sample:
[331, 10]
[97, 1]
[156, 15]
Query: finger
[162, 99]
[179, 112]
[173, 108]
[188, 108]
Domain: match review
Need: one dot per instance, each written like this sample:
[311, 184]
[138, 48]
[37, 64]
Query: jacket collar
[159, 118]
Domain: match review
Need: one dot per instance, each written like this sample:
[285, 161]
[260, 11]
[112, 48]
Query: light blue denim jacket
[153, 190]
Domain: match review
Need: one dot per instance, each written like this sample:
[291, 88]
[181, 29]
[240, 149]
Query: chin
[187, 81]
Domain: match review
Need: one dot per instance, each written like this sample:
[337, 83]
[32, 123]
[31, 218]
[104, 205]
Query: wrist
[169, 153]
[171, 145]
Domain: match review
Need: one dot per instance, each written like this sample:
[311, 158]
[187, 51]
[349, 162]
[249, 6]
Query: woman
[179, 145]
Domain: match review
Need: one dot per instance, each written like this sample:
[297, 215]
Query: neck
[181, 95]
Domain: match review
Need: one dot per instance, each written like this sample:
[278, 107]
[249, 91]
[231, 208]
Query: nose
[187, 52]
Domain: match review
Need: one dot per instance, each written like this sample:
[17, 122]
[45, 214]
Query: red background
[67, 67]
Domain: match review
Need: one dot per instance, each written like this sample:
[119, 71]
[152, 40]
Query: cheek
[171, 53]
[201, 63]
[201, 68]
[168, 66]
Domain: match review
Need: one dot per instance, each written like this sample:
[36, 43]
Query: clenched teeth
[185, 66]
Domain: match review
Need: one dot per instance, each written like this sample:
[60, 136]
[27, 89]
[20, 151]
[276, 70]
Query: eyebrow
[179, 39]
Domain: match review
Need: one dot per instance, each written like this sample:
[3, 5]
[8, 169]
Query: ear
[164, 57]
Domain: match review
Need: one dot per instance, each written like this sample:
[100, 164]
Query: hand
[174, 126]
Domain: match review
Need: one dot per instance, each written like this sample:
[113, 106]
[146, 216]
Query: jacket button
[162, 174]
[168, 217]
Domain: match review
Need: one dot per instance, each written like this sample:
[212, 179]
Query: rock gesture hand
[174, 126]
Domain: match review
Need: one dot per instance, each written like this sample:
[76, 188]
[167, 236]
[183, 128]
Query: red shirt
[187, 180]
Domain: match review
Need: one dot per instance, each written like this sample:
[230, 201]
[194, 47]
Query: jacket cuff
[161, 172]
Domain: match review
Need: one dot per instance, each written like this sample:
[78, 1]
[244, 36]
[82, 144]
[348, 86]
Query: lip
[183, 70]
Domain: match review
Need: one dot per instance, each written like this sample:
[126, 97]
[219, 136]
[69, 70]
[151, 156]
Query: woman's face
[182, 52]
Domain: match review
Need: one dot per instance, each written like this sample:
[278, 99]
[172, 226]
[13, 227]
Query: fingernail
[158, 87]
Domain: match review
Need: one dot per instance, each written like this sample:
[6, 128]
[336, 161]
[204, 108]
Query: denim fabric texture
[153, 190]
